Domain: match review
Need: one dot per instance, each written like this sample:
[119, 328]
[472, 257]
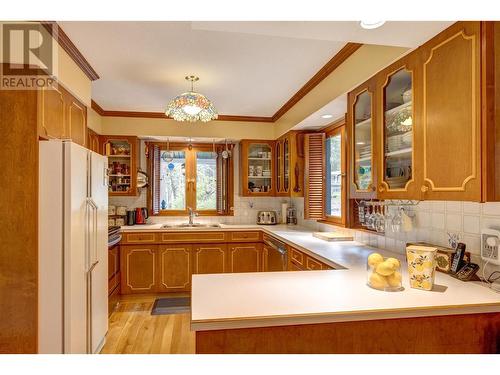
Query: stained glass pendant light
[191, 106]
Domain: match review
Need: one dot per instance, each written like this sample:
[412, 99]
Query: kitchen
[348, 206]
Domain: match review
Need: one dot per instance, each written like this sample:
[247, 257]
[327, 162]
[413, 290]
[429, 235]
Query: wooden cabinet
[415, 128]
[61, 116]
[257, 164]
[174, 268]
[138, 268]
[299, 261]
[93, 142]
[122, 164]
[245, 257]
[289, 165]
[113, 277]
[451, 114]
[210, 258]
[362, 120]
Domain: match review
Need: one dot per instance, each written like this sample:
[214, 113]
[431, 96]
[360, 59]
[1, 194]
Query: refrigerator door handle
[93, 254]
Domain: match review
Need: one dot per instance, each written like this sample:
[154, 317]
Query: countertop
[242, 300]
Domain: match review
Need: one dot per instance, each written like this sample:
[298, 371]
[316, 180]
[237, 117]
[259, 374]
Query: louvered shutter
[155, 179]
[224, 182]
[314, 194]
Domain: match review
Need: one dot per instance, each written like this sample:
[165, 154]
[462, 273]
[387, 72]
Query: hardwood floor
[133, 330]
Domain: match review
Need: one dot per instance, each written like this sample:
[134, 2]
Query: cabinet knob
[381, 189]
[424, 189]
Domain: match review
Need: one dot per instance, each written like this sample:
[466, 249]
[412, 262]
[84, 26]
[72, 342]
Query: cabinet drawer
[193, 237]
[296, 257]
[139, 238]
[313, 264]
[254, 236]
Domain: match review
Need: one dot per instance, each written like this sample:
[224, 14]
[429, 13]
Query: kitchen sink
[189, 226]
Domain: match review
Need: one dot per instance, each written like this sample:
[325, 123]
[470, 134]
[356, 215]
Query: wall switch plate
[490, 244]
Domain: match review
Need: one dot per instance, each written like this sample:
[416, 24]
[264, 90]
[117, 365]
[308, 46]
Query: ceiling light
[371, 24]
[326, 116]
[191, 106]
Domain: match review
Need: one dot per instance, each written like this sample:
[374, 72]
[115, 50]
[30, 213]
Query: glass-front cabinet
[396, 134]
[362, 123]
[286, 165]
[121, 153]
[257, 168]
[397, 131]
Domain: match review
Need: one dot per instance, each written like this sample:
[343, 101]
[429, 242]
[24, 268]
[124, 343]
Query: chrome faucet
[192, 214]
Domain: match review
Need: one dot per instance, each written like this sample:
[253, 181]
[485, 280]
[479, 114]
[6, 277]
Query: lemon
[377, 281]
[374, 259]
[395, 261]
[394, 280]
[385, 268]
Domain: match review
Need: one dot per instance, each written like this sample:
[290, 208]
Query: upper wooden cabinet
[122, 158]
[399, 148]
[61, 116]
[425, 123]
[362, 120]
[257, 163]
[289, 165]
[451, 114]
[93, 141]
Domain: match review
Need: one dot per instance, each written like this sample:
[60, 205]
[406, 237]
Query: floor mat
[165, 306]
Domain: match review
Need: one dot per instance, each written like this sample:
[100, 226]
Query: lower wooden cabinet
[210, 258]
[138, 269]
[299, 261]
[174, 268]
[245, 257]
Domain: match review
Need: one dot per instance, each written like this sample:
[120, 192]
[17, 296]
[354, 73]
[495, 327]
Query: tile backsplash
[245, 208]
[433, 221]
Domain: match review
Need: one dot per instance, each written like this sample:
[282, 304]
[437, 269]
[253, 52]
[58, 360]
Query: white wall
[245, 208]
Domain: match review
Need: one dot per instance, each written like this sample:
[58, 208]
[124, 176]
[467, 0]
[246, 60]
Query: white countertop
[244, 300]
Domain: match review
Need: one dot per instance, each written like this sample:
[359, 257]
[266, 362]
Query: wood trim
[68, 46]
[96, 107]
[328, 68]
[324, 72]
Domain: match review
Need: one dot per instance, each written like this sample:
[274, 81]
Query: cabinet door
[362, 122]
[279, 168]
[397, 176]
[93, 141]
[76, 121]
[51, 113]
[451, 114]
[209, 258]
[245, 257]
[257, 168]
[286, 165]
[174, 268]
[138, 269]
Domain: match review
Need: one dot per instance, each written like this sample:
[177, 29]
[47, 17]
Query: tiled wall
[245, 208]
[432, 222]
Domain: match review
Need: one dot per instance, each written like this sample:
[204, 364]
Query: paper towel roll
[284, 208]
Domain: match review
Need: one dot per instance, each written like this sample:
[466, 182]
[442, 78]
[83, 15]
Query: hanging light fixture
[191, 106]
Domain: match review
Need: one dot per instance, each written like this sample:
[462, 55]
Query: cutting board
[332, 236]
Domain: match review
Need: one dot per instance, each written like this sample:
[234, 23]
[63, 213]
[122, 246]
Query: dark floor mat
[165, 306]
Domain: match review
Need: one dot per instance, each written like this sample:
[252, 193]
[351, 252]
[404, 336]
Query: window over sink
[196, 176]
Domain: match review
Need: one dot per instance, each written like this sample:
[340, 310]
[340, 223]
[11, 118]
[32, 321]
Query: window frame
[335, 129]
[190, 150]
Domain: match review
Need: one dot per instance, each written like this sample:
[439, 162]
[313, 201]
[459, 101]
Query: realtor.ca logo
[29, 56]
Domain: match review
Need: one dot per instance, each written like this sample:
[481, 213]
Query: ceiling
[245, 68]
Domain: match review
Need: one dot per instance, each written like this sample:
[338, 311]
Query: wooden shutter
[314, 194]
[155, 179]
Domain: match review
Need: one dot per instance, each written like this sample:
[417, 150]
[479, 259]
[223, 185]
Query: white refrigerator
[72, 259]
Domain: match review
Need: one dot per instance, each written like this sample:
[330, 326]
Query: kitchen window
[187, 176]
[335, 189]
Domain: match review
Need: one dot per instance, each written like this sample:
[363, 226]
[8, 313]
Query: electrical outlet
[490, 244]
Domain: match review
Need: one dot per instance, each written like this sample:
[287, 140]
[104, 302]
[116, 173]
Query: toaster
[267, 218]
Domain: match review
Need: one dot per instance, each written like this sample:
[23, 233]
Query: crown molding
[324, 72]
[68, 46]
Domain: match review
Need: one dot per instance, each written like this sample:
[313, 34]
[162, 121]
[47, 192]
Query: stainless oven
[277, 258]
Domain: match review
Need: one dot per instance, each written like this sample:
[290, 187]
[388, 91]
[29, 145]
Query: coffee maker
[291, 215]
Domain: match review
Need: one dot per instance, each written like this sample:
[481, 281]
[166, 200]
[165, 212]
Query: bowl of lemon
[384, 273]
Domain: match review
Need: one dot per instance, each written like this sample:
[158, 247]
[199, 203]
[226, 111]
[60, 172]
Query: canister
[421, 266]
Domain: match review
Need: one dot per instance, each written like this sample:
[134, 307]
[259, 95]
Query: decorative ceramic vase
[421, 266]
